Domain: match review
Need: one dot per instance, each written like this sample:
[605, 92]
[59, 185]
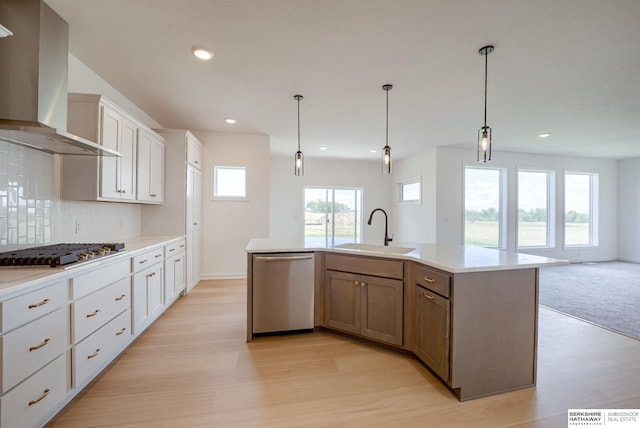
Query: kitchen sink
[375, 248]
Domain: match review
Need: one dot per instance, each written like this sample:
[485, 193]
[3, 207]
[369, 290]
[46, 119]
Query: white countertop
[17, 279]
[453, 259]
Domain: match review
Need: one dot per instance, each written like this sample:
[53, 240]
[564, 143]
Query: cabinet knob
[363, 284]
[356, 283]
[429, 280]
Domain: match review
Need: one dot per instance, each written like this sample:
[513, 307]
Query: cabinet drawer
[96, 351]
[89, 282]
[94, 310]
[365, 265]
[22, 309]
[174, 248]
[146, 259]
[35, 398]
[433, 280]
[28, 348]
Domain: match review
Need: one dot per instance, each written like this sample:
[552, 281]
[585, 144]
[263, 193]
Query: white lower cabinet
[32, 401]
[174, 277]
[28, 348]
[148, 300]
[96, 351]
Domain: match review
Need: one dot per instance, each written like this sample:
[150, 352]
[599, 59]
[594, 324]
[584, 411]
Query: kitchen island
[469, 314]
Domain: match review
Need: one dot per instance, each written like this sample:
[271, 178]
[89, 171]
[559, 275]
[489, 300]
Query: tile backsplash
[31, 212]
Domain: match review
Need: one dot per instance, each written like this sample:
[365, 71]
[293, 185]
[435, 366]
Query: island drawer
[365, 265]
[433, 280]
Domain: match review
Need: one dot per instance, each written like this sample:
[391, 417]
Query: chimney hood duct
[33, 81]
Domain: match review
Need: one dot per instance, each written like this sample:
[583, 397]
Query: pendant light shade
[484, 133]
[386, 150]
[299, 157]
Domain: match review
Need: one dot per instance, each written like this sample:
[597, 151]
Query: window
[332, 216]
[229, 182]
[409, 191]
[483, 203]
[580, 214]
[535, 213]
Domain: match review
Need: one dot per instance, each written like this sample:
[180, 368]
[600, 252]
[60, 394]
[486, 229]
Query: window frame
[550, 207]
[502, 203]
[409, 181]
[215, 180]
[594, 196]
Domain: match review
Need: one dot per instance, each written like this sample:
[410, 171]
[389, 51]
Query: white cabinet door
[150, 184]
[174, 277]
[147, 297]
[193, 226]
[110, 134]
[127, 164]
[194, 151]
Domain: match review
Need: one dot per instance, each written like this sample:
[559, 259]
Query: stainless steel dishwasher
[283, 292]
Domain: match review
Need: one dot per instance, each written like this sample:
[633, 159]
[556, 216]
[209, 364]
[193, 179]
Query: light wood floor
[193, 368]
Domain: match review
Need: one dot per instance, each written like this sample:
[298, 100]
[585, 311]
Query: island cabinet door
[342, 301]
[382, 314]
[432, 330]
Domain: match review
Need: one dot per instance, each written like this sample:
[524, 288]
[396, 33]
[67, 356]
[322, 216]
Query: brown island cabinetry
[475, 329]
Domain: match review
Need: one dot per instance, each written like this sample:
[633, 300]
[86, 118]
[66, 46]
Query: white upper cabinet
[107, 178]
[194, 151]
[150, 168]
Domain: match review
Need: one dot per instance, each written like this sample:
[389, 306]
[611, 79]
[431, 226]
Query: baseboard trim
[224, 276]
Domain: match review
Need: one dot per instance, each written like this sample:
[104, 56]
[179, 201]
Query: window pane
[230, 181]
[482, 219]
[533, 216]
[577, 209]
[410, 191]
[332, 216]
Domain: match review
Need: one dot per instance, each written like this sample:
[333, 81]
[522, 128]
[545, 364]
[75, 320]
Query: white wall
[227, 226]
[629, 210]
[416, 222]
[287, 193]
[450, 195]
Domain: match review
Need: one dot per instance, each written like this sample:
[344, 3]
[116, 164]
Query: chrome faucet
[386, 221]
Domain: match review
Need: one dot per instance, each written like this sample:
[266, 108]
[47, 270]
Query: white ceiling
[568, 67]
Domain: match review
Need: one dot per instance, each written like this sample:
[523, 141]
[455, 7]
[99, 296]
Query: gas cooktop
[58, 254]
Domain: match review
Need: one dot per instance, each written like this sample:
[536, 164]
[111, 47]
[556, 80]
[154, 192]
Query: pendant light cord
[299, 123]
[486, 62]
[387, 141]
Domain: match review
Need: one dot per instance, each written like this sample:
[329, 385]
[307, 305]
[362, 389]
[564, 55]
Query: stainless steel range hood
[33, 82]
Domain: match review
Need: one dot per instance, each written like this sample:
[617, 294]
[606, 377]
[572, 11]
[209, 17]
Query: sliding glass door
[332, 216]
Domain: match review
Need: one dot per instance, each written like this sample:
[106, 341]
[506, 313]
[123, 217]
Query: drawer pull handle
[153, 195]
[428, 296]
[93, 314]
[430, 280]
[143, 261]
[149, 275]
[44, 342]
[121, 297]
[158, 255]
[37, 400]
[121, 331]
[172, 249]
[177, 260]
[95, 354]
[182, 246]
[37, 305]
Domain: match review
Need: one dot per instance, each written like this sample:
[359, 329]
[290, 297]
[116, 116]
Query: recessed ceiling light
[202, 53]
[373, 151]
[544, 135]
[323, 147]
[230, 120]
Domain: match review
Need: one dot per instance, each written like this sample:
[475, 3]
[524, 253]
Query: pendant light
[299, 158]
[484, 133]
[386, 150]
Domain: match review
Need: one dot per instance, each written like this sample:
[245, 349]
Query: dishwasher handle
[282, 258]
